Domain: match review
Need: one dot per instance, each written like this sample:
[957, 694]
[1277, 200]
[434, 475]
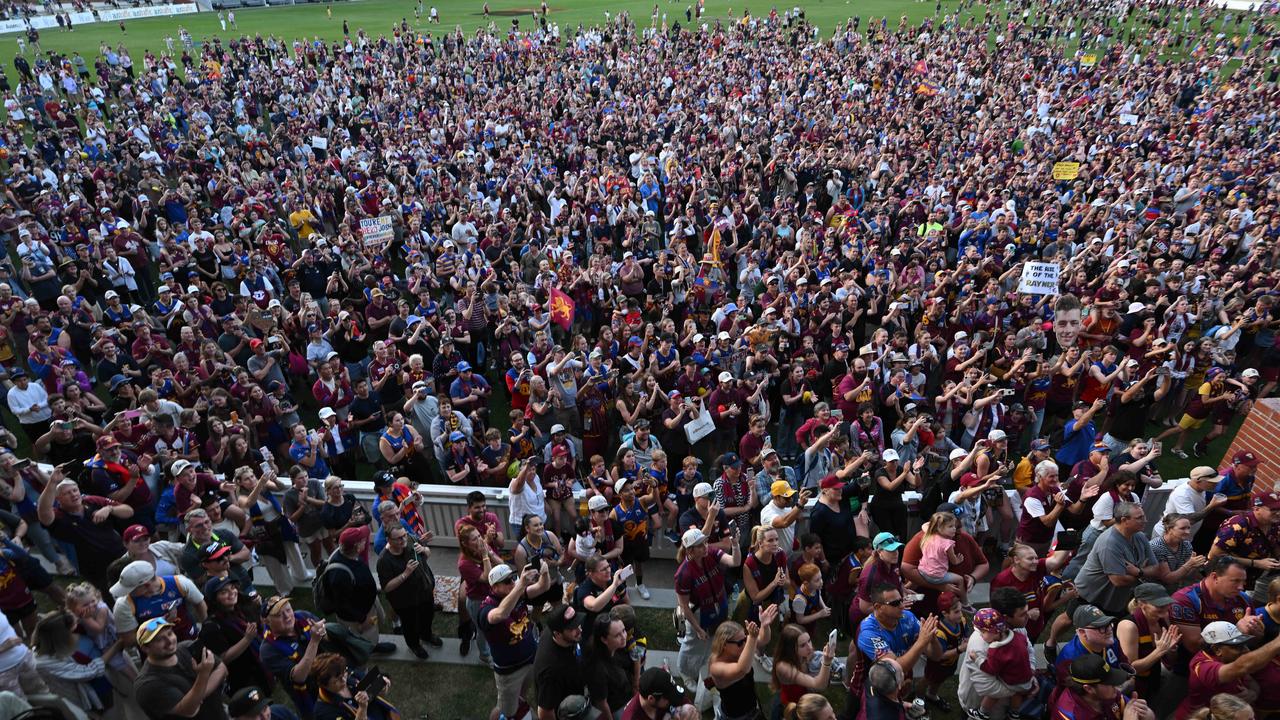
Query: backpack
[321, 589]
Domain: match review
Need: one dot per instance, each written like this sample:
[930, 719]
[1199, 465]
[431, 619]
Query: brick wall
[1260, 434]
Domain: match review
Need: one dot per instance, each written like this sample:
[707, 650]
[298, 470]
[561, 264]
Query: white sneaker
[644, 592]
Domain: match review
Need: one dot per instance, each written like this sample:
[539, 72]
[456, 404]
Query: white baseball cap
[691, 537]
[501, 574]
[725, 377]
[597, 502]
[889, 455]
[703, 489]
[1221, 632]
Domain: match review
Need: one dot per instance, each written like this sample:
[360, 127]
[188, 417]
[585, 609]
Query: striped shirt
[1175, 557]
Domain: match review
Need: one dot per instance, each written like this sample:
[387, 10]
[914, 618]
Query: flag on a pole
[561, 309]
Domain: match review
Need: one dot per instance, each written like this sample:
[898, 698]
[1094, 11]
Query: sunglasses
[740, 641]
[892, 603]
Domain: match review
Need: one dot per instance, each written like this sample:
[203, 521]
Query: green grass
[379, 17]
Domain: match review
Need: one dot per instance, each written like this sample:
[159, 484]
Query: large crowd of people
[730, 285]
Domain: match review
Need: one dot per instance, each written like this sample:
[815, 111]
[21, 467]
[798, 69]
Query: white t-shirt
[532, 501]
[1184, 500]
[10, 658]
[786, 535]
[1104, 509]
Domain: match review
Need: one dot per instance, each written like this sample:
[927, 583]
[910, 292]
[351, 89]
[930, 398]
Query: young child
[598, 482]
[666, 498]
[95, 623]
[807, 605]
[953, 636]
[1004, 667]
[497, 455]
[685, 481]
[582, 548]
[559, 479]
[521, 436]
[938, 554]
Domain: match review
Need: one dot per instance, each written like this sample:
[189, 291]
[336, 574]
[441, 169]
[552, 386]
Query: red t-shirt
[1204, 684]
[1032, 589]
[472, 573]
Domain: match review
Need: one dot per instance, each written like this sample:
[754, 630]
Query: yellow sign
[1089, 60]
[1066, 170]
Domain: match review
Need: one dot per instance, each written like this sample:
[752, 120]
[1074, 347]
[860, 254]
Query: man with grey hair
[200, 537]
[884, 681]
[1043, 504]
[1121, 559]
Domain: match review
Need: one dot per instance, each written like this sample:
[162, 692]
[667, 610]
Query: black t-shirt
[108, 369]
[691, 518]
[610, 678]
[557, 672]
[97, 544]
[160, 689]
[589, 589]
[1129, 419]
[80, 447]
[364, 408]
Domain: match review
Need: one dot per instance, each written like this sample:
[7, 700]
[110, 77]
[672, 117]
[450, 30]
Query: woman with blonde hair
[765, 571]
[270, 532]
[733, 650]
[1224, 707]
[810, 707]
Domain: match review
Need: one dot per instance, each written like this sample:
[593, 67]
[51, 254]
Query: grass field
[377, 17]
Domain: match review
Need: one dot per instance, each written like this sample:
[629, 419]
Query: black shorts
[634, 551]
[16, 615]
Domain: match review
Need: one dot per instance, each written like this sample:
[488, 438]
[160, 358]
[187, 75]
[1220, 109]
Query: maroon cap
[1270, 500]
[831, 481]
[969, 479]
[1245, 457]
[133, 532]
[108, 441]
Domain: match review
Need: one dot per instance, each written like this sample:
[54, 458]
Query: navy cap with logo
[247, 702]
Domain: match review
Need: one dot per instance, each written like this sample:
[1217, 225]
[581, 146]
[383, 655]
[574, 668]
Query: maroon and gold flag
[561, 309]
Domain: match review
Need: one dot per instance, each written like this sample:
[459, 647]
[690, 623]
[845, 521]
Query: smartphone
[66, 425]
[373, 683]
[837, 414]
[831, 637]
[625, 573]
[196, 649]
[21, 464]
[1006, 392]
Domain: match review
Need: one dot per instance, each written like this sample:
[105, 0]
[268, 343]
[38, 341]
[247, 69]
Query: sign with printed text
[1089, 60]
[1039, 278]
[1128, 119]
[1066, 170]
[377, 231]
